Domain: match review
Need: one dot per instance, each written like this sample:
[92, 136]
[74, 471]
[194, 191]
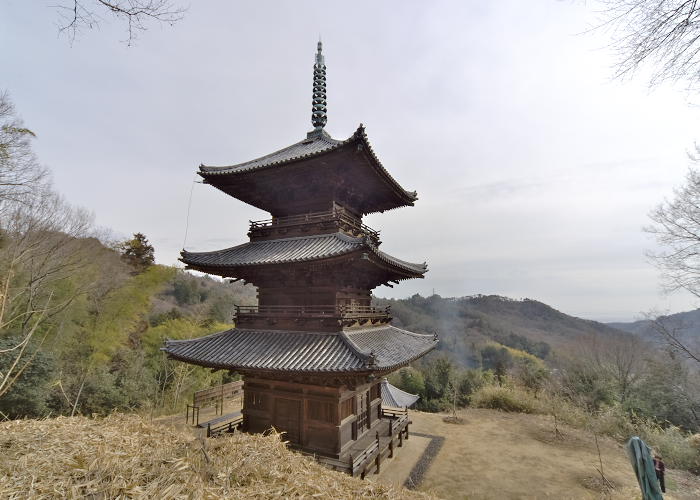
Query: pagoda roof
[311, 146]
[292, 250]
[394, 397]
[381, 348]
[316, 144]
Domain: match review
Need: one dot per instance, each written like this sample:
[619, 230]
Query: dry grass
[497, 455]
[124, 456]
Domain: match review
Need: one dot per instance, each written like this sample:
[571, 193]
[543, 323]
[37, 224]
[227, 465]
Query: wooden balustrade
[338, 217]
[342, 311]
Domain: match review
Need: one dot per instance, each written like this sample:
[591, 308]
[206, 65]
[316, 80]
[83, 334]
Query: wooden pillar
[378, 460]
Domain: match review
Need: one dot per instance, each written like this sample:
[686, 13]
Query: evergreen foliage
[138, 253]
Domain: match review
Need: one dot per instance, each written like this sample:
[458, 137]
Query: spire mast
[318, 108]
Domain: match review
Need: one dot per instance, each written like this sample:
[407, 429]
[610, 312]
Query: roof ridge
[309, 139]
[354, 347]
[392, 327]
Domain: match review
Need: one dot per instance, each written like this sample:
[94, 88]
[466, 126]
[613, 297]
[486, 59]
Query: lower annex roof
[378, 348]
[290, 250]
[394, 397]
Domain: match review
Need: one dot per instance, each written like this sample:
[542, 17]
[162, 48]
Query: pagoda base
[326, 420]
[367, 454]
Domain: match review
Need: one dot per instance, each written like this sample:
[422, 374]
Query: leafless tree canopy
[671, 333]
[41, 245]
[78, 15]
[676, 226]
[664, 33]
[20, 172]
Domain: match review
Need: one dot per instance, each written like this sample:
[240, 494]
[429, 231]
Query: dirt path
[496, 455]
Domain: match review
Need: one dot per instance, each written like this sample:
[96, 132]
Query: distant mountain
[466, 322]
[685, 324]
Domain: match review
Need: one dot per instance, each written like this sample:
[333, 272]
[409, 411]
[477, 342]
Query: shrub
[695, 441]
[672, 444]
[504, 398]
[470, 382]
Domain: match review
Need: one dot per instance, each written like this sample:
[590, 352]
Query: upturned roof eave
[354, 360]
[408, 198]
[362, 245]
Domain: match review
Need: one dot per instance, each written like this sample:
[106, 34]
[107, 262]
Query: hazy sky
[535, 170]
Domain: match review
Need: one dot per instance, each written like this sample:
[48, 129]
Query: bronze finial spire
[318, 108]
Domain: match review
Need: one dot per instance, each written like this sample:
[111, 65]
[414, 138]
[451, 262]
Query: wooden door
[288, 418]
[362, 414]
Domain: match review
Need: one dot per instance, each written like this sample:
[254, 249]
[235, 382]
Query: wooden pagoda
[313, 352]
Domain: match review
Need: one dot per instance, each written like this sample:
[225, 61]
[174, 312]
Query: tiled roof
[370, 349]
[391, 345]
[315, 144]
[288, 250]
[394, 397]
[311, 146]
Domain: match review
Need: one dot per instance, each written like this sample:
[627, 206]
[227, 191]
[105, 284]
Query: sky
[535, 169]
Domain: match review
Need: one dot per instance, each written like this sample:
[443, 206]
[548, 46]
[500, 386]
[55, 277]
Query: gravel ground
[418, 472]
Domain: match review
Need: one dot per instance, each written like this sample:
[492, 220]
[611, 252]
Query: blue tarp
[643, 465]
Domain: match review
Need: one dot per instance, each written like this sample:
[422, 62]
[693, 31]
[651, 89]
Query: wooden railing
[364, 457]
[343, 311]
[225, 427]
[398, 413]
[214, 396]
[339, 216]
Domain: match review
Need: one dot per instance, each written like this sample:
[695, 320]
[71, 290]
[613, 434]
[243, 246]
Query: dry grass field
[491, 455]
[126, 456]
[499, 456]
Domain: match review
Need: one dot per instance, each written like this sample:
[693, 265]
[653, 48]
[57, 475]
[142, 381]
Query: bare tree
[672, 334]
[676, 226]
[42, 246]
[77, 15]
[43, 249]
[20, 172]
[619, 359]
[662, 33]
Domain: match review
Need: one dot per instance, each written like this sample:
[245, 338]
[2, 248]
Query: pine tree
[138, 253]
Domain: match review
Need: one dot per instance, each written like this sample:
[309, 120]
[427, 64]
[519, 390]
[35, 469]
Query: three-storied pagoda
[313, 352]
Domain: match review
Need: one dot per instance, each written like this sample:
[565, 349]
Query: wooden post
[400, 439]
[391, 448]
[391, 427]
[407, 432]
[378, 460]
[208, 430]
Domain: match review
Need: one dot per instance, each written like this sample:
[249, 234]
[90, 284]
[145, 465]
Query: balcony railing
[338, 217]
[312, 318]
[330, 311]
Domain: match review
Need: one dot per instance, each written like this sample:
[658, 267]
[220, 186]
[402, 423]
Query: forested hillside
[83, 314]
[83, 322]
[685, 325]
[522, 355]
[464, 322]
